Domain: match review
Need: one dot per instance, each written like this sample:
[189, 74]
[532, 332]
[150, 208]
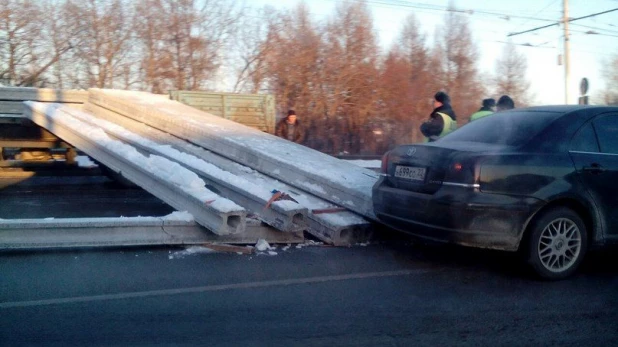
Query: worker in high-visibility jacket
[488, 108]
[441, 121]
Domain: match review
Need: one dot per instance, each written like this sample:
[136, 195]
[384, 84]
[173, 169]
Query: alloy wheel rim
[559, 245]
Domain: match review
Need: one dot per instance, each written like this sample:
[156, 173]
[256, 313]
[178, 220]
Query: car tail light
[384, 166]
[462, 172]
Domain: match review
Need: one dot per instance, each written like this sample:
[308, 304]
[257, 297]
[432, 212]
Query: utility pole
[567, 60]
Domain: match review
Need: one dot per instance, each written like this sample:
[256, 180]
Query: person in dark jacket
[442, 119]
[290, 129]
[505, 103]
[486, 110]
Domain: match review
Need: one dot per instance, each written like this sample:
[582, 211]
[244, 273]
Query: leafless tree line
[351, 96]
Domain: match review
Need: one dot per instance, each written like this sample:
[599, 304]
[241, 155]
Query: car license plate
[410, 173]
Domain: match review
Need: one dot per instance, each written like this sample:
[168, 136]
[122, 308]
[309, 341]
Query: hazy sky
[492, 21]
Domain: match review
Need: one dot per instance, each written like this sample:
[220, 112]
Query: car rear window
[512, 128]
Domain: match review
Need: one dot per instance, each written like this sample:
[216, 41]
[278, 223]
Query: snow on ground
[262, 245]
[190, 251]
[165, 169]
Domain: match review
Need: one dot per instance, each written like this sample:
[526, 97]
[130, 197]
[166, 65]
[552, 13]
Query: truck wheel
[557, 243]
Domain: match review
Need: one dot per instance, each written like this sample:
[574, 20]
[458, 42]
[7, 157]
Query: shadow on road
[505, 264]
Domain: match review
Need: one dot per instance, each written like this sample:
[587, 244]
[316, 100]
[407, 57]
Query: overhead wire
[558, 23]
[553, 2]
[439, 8]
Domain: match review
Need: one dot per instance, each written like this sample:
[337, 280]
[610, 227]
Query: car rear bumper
[458, 215]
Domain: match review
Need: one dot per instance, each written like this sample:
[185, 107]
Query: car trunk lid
[423, 168]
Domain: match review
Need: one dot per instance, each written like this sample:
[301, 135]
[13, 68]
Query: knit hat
[505, 103]
[489, 103]
[442, 97]
[291, 113]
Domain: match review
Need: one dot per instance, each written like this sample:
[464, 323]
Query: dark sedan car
[543, 181]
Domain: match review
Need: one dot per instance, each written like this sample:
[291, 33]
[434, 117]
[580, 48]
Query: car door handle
[594, 169]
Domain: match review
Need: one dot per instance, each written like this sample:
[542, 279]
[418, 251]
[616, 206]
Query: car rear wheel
[557, 243]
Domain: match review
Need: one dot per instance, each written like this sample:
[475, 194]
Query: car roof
[568, 108]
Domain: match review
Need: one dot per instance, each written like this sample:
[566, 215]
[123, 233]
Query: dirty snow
[165, 169]
[190, 251]
[262, 245]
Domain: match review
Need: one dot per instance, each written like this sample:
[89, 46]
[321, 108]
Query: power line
[596, 28]
[529, 45]
[430, 7]
[570, 20]
[590, 32]
[538, 12]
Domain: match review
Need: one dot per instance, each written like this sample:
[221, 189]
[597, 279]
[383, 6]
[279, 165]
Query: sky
[492, 21]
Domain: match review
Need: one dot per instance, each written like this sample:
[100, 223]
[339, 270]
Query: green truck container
[254, 110]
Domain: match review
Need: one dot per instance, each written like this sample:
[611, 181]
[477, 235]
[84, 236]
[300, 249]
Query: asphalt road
[65, 194]
[390, 293]
[381, 295]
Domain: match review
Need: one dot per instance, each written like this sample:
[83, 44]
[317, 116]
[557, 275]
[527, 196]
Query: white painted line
[211, 288]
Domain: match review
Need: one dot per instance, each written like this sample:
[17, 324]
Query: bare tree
[510, 76]
[459, 73]
[253, 43]
[408, 82]
[293, 62]
[350, 72]
[183, 41]
[105, 30]
[20, 33]
[609, 96]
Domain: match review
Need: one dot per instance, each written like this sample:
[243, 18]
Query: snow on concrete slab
[175, 218]
[192, 161]
[339, 181]
[158, 166]
[182, 216]
[326, 226]
[369, 164]
[84, 161]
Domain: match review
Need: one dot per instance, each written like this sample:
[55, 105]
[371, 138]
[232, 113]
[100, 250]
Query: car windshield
[513, 128]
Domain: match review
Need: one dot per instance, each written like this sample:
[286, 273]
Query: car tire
[557, 243]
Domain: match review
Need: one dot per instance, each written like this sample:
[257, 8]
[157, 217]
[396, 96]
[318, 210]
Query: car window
[585, 140]
[607, 131]
[512, 128]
